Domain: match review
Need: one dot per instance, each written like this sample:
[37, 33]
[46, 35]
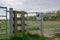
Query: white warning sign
[38, 16]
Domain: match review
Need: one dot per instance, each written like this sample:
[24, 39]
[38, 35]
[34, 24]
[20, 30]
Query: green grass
[33, 28]
[57, 35]
[47, 24]
[28, 36]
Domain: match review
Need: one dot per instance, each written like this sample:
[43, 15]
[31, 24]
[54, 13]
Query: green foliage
[28, 36]
[31, 18]
[58, 13]
[5, 39]
[57, 35]
[33, 28]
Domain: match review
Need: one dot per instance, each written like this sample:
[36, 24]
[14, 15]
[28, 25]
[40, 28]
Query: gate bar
[3, 7]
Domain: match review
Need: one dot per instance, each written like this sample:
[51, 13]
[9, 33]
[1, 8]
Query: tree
[58, 13]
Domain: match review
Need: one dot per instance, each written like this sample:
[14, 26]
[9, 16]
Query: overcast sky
[32, 5]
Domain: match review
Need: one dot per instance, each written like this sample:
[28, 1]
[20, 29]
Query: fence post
[23, 22]
[42, 24]
[15, 23]
[11, 21]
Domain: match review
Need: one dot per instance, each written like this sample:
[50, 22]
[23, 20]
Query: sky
[32, 5]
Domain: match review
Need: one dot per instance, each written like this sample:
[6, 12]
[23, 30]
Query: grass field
[47, 24]
[34, 25]
[27, 36]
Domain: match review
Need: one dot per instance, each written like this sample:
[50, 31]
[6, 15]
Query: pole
[11, 21]
[23, 22]
[42, 24]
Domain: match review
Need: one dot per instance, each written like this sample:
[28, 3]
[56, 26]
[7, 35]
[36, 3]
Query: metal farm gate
[3, 23]
[47, 24]
[34, 23]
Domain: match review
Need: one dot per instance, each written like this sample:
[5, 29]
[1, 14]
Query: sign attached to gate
[38, 16]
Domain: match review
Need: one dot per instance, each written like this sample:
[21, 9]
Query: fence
[32, 22]
[3, 23]
[46, 24]
[17, 21]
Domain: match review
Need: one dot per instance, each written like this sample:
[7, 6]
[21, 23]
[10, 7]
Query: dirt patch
[48, 32]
